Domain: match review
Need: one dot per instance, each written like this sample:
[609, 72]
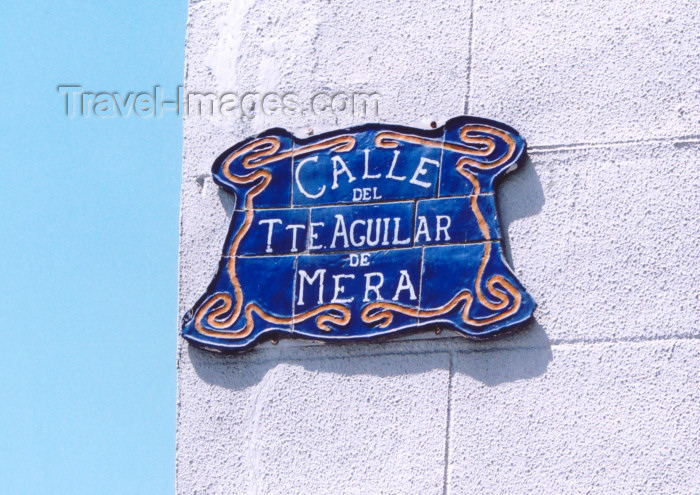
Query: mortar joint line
[471, 56]
[270, 355]
[448, 421]
[689, 139]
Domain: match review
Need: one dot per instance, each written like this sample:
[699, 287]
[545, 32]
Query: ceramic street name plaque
[360, 233]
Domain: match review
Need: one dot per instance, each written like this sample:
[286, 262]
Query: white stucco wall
[601, 392]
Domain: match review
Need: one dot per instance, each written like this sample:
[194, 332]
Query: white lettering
[313, 235]
[295, 227]
[422, 229]
[385, 239]
[396, 240]
[358, 259]
[405, 284]
[270, 226]
[366, 175]
[301, 188]
[421, 170]
[375, 241]
[305, 276]
[340, 231]
[339, 289]
[373, 287]
[352, 233]
[393, 164]
[443, 228]
[365, 194]
[339, 167]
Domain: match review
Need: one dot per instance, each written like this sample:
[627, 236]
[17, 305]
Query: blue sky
[88, 257]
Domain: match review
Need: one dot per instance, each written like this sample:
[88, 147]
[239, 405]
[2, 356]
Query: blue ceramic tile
[391, 228]
[219, 322]
[475, 276]
[345, 285]
[275, 232]
[455, 221]
[479, 149]
[258, 170]
[362, 227]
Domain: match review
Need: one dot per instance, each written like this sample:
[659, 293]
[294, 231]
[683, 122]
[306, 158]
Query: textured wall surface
[600, 393]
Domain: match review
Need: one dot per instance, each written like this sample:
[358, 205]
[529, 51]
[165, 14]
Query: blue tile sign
[361, 233]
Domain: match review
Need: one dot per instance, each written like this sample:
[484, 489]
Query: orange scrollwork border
[218, 305]
[382, 311]
[214, 309]
[476, 146]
